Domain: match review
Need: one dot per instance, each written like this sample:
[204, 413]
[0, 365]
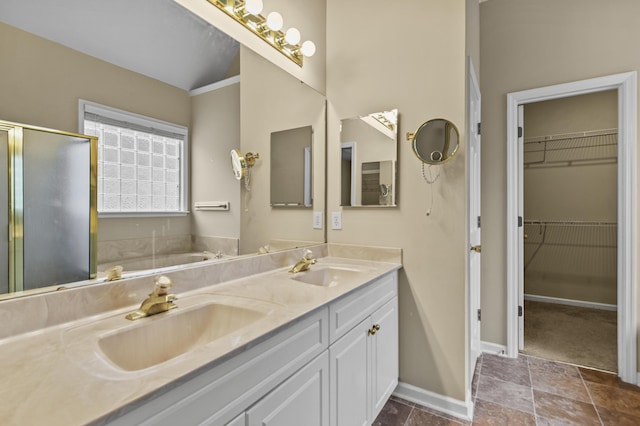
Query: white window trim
[85, 106]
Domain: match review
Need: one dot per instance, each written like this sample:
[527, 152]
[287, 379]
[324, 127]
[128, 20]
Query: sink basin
[328, 276]
[162, 337]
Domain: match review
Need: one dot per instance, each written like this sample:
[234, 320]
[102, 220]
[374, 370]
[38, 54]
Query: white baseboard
[444, 404]
[493, 348]
[571, 302]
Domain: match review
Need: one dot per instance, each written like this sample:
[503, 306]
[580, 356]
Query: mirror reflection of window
[368, 174]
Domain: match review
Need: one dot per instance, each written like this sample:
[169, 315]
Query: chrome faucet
[304, 263]
[158, 301]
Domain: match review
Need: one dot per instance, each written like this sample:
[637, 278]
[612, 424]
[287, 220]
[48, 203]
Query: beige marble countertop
[59, 374]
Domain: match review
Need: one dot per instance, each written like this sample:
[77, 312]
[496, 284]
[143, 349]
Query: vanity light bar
[386, 118]
[285, 43]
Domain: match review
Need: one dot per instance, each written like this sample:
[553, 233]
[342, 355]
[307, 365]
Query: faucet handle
[307, 256]
[163, 284]
[114, 273]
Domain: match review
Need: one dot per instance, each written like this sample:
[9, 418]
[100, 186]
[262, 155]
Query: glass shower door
[48, 210]
[56, 208]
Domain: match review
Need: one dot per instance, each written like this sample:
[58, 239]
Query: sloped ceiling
[156, 38]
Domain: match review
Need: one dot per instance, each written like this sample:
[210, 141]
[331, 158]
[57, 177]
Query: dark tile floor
[531, 391]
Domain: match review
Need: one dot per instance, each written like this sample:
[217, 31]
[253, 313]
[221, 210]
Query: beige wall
[215, 131]
[527, 44]
[416, 64]
[576, 263]
[593, 111]
[41, 83]
[472, 42]
[284, 103]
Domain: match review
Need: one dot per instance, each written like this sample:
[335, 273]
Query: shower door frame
[626, 86]
[16, 199]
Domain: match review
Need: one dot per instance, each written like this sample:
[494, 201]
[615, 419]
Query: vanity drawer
[218, 395]
[346, 313]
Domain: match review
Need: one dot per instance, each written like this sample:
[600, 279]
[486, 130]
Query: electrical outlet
[317, 220]
[336, 220]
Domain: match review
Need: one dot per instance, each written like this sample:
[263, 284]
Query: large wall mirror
[291, 167]
[256, 100]
[368, 160]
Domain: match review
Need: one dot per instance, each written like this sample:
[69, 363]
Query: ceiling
[156, 38]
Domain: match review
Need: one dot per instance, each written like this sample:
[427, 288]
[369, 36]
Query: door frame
[354, 180]
[474, 106]
[626, 85]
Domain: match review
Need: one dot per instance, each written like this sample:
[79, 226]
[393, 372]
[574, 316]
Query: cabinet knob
[373, 330]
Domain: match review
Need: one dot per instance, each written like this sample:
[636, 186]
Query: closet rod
[567, 136]
[568, 148]
[569, 222]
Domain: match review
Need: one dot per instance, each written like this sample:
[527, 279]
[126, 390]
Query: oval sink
[327, 277]
[159, 338]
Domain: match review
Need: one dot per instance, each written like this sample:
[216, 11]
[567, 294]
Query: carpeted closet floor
[576, 335]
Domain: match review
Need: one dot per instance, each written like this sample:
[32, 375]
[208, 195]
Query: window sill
[109, 215]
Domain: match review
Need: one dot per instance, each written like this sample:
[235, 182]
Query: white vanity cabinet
[364, 360]
[302, 399]
[219, 394]
[384, 355]
[324, 369]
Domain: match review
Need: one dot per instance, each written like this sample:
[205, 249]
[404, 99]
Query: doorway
[625, 86]
[348, 172]
[569, 220]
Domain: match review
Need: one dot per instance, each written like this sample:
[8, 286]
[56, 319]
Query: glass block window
[141, 161]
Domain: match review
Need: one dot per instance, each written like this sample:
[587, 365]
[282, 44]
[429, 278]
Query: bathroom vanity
[318, 347]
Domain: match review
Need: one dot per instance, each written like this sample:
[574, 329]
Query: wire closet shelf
[582, 148]
[564, 239]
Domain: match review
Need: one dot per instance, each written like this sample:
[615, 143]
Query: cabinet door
[384, 355]
[301, 399]
[349, 377]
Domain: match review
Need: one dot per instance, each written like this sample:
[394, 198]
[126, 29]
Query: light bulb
[292, 36]
[274, 21]
[308, 48]
[254, 7]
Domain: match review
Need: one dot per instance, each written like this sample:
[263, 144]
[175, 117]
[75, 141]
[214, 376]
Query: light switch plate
[317, 220]
[336, 220]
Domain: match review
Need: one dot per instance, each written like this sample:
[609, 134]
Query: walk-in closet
[570, 230]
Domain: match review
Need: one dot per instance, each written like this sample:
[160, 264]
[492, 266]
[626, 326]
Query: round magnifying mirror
[238, 164]
[436, 141]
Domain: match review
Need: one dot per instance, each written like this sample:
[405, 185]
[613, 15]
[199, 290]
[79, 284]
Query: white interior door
[474, 219]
